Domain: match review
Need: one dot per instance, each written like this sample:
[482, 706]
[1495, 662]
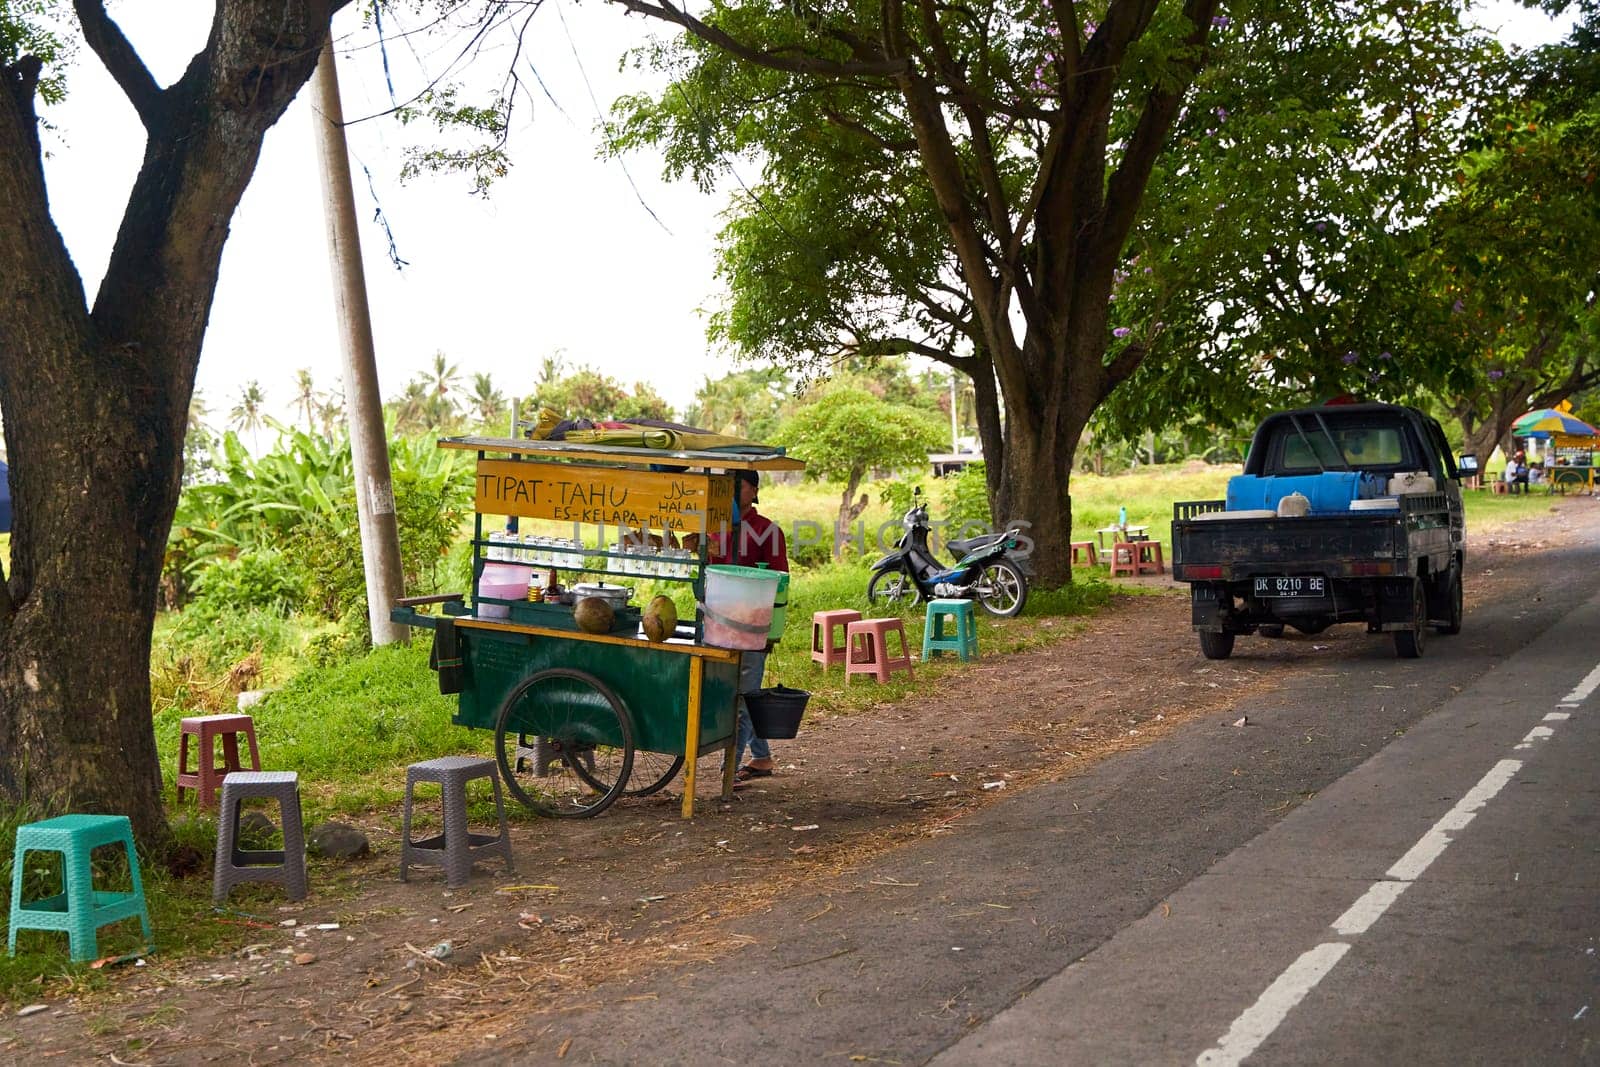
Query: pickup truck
[1378, 537]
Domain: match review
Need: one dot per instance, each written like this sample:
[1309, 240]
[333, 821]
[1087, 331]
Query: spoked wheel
[894, 590]
[1408, 643]
[651, 772]
[565, 744]
[1002, 590]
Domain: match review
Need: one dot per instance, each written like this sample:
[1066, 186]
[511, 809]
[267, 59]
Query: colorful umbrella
[1547, 421]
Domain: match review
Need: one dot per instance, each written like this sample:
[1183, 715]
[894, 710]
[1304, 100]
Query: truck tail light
[1191, 572]
[1380, 569]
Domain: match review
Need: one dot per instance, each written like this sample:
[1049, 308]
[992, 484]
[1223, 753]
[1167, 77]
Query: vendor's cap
[753, 477]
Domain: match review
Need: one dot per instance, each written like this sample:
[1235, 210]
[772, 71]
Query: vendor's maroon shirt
[759, 540]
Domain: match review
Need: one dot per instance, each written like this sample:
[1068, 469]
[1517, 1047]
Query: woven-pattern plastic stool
[205, 776]
[964, 642]
[869, 649]
[457, 847]
[79, 909]
[285, 866]
[824, 624]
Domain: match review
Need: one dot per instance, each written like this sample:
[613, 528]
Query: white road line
[1370, 908]
[1262, 1018]
[1580, 693]
[1558, 716]
[1433, 843]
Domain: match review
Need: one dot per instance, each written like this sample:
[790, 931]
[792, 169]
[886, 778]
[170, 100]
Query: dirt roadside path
[607, 913]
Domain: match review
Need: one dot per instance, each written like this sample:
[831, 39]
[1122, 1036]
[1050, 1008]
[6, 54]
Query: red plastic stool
[1147, 558]
[1125, 559]
[869, 649]
[206, 778]
[1086, 547]
[823, 648]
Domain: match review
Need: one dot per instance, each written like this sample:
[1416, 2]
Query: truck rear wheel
[1408, 643]
[1450, 591]
[1215, 646]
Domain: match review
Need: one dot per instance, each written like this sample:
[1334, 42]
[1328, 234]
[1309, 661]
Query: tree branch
[120, 60]
[664, 11]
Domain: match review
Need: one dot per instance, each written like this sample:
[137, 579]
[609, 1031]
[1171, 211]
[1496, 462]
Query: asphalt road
[1371, 871]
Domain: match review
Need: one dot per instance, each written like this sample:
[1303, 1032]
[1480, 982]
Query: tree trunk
[848, 511]
[991, 434]
[95, 403]
[1036, 472]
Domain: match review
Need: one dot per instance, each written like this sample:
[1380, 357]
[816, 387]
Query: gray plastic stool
[457, 847]
[286, 866]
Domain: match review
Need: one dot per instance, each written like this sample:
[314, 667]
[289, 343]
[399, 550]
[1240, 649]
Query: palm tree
[411, 407]
[330, 410]
[488, 402]
[247, 414]
[305, 397]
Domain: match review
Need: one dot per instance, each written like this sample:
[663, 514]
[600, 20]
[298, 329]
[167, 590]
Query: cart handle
[418, 601]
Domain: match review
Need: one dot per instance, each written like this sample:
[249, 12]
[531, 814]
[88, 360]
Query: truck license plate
[1291, 587]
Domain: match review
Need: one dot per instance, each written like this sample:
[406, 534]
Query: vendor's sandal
[748, 773]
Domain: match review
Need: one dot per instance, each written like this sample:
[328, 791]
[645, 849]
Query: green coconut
[660, 619]
[593, 615]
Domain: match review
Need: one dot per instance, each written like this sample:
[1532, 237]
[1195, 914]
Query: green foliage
[967, 503]
[747, 403]
[27, 28]
[216, 638]
[260, 578]
[847, 431]
[300, 499]
[588, 394]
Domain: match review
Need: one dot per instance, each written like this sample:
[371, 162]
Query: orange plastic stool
[869, 649]
[1085, 547]
[823, 648]
[1147, 558]
[206, 777]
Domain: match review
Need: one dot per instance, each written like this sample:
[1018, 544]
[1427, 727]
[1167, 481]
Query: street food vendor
[754, 541]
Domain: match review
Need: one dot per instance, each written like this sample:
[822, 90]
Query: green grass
[1486, 510]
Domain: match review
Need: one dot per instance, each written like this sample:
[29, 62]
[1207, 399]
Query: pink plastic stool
[823, 624]
[869, 649]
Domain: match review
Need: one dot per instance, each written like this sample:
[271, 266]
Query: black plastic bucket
[775, 713]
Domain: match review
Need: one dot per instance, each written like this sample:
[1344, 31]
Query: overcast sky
[561, 257]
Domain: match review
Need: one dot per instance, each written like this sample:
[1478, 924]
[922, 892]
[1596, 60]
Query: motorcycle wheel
[1002, 590]
[893, 589]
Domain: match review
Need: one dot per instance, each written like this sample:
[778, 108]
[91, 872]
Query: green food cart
[582, 718]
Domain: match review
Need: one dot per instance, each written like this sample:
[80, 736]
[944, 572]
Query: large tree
[1046, 197]
[95, 394]
[1031, 132]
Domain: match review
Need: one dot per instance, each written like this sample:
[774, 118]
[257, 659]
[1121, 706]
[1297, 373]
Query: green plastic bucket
[780, 609]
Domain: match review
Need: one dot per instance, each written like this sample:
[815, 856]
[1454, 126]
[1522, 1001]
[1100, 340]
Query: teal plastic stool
[79, 909]
[964, 642]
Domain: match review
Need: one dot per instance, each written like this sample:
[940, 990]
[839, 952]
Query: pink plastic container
[503, 581]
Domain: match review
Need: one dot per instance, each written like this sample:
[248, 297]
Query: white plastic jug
[738, 607]
[503, 581]
[1294, 506]
[1411, 482]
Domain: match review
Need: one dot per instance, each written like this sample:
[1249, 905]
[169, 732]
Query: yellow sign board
[605, 496]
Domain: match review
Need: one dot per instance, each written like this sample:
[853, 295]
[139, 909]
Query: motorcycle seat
[972, 544]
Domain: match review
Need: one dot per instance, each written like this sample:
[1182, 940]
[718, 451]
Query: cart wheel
[557, 738]
[655, 769]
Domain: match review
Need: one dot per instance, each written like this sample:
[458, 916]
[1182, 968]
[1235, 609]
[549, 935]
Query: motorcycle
[988, 570]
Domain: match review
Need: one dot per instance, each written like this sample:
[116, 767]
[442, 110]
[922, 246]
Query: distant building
[952, 462]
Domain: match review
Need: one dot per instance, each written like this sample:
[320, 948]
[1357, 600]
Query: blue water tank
[1329, 492]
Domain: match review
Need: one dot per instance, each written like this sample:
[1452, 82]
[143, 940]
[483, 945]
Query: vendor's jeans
[752, 668]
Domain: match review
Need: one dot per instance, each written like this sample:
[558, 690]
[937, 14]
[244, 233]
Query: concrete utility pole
[369, 448]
